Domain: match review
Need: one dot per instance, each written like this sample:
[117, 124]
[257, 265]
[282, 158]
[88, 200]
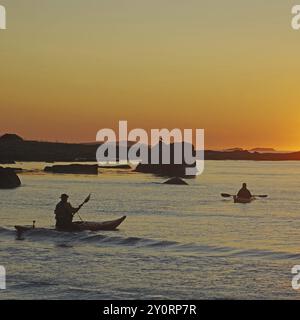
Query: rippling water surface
[178, 242]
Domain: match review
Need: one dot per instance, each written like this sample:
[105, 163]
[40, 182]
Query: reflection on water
[177, 242]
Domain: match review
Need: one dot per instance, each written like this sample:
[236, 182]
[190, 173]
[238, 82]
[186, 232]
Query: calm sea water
[178, 242]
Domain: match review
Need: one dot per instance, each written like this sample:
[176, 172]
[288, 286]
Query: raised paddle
[85, 201]
[227, 195]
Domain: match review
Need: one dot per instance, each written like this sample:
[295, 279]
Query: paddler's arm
[75, 210]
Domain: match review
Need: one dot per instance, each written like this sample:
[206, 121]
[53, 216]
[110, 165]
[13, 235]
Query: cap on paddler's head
[64, 196]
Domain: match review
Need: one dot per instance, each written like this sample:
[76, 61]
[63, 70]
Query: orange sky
[69, 68]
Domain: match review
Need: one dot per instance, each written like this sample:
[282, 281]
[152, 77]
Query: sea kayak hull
[243, 200]
[82, 226]
[98, 226]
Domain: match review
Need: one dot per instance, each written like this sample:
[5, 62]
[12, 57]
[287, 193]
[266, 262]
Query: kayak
[237, 199]
[82, 226]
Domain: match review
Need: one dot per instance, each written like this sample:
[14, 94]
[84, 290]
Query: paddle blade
[87, 199]
[262, 196]
[226, 195]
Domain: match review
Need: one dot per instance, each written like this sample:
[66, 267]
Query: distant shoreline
[19, 150]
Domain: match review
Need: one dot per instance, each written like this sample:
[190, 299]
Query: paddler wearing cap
[64, 213]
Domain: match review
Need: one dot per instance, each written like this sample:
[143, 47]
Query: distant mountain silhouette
[247, 155]
[263, 150]
[233, 149]
[11, 137]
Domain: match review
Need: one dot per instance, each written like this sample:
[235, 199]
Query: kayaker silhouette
[244, 193]
[64, 213]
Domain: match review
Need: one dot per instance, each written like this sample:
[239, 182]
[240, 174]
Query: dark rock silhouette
[73, 169]
[3, 161]
[8, 179]
[11, 137]
[176, 180]
[163, 170]
[171, 169]
[13, 148]
[16, 170]
[22, 150]
[118, 166]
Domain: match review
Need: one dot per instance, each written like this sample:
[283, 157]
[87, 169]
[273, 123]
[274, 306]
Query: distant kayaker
[64, 213]
[244, 193]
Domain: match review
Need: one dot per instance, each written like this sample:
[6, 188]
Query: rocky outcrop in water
[171, 169]
[8, 179]
[176, 181]
[5, 161]
[73, 169]
[163, 170]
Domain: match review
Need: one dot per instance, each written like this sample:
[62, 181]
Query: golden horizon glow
[69, 69]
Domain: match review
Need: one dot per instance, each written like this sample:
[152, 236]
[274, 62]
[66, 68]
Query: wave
[126, 241]
[71, 239]
[6, 231]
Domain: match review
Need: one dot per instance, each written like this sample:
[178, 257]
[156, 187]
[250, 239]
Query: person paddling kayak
[64, 213]
[244, 193]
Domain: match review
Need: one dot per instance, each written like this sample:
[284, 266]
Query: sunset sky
[69, 68]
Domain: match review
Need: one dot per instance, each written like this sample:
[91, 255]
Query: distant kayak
[237, 199]
[82, 226]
